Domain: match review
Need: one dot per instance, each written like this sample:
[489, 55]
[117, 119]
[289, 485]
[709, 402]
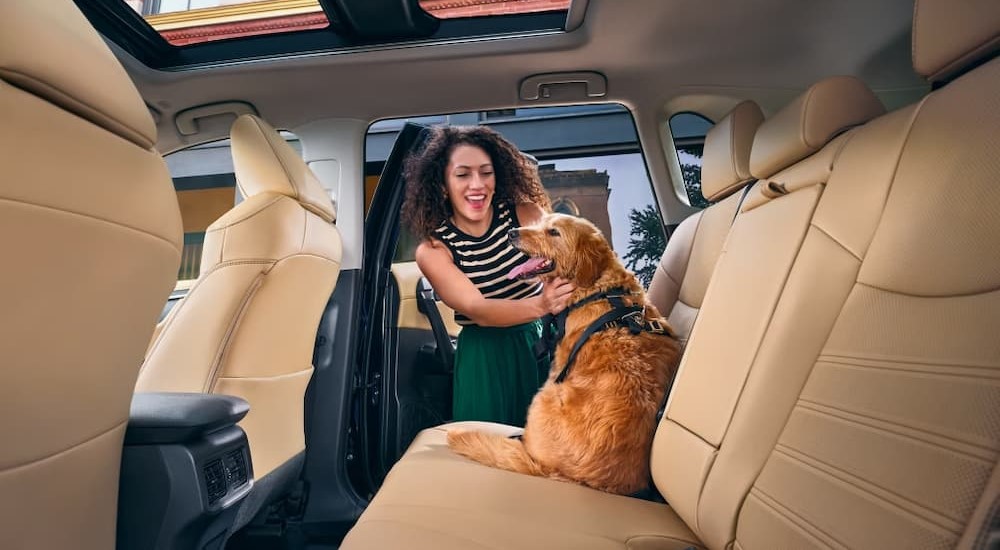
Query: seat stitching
[893, 422]
[63, 451]
[666, 273]
[802, 115]
[268, 378]
[305, 229]
[57, 210]
[866, 485]
[971, 293]
[211, 380]
[71, 99]
[291, 181]
[795, 519]
[862, 357]
[895, 169]
[989, 372]
[260, 209]
[899, 430]
[501, 515]
[770, 320]
[835, 241]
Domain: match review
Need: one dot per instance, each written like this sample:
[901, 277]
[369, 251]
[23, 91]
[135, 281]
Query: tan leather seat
[91, 236]
[681, 280]
[248, 325]
[856, 401]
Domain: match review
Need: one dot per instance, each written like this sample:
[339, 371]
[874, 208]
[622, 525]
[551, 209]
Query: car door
[405, 367]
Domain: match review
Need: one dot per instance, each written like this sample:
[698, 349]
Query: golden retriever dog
[595, 427]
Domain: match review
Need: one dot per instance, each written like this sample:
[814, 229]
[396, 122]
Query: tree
[646, 243]
[691, 172]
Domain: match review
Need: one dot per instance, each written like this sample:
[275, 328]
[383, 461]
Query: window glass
[589, 163]
[688, 131]
[450, 9]
[185, 22]
[206, 189]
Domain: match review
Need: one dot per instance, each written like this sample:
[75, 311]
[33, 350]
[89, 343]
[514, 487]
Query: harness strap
[554, 326]
[596, 326]
[622, 316]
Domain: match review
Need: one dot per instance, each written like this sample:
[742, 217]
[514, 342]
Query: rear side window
[590, 164]
[688, 131]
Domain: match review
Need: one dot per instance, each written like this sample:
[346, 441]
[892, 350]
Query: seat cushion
[436, 499]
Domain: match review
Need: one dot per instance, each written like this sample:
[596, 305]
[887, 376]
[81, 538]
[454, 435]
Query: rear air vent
[236, 468]
[215, 480]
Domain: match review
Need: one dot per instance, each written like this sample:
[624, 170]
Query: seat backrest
[679, 284]
[856, 402]
[248, 325]
[893, 439]
[91, 236]
[704, 460]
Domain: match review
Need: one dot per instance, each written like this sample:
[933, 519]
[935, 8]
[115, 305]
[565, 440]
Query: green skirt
[496, 373]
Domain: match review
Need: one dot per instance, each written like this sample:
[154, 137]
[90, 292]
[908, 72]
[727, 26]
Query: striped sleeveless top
[487, 260]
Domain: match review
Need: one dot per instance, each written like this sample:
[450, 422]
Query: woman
[465, 190]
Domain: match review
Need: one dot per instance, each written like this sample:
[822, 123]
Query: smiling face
[470, 182]
[563, 246]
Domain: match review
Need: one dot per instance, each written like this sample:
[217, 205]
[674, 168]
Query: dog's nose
[514, 235]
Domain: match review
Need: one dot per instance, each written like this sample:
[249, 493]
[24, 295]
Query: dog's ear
[593, 256]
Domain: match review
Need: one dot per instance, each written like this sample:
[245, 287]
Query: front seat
[91, 237]
[248, 325]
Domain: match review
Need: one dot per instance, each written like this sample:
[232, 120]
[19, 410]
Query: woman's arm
[458, 292]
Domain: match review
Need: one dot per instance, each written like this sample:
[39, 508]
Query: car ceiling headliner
[652, 51]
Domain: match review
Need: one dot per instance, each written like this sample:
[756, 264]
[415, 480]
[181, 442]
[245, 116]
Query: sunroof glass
[185, 22]
[453, 9]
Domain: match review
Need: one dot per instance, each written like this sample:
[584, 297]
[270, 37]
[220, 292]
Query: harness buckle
[634, 321]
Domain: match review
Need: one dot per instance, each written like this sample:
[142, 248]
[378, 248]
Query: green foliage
[646, 243]
[692, 178]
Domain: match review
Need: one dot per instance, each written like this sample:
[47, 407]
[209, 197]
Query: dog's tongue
[527, 267]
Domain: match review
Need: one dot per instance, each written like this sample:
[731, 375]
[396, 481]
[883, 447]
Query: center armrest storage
[185, 466]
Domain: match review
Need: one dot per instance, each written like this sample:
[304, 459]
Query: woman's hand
[555, 295]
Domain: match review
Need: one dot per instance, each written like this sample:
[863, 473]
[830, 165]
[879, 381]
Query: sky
[630, 188]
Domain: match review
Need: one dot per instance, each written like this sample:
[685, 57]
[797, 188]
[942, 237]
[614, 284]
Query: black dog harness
[621, 315]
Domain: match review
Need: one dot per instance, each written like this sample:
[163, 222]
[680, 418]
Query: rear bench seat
[856, 401]
[679, 284]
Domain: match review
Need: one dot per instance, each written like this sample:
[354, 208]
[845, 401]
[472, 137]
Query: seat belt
[427, 304]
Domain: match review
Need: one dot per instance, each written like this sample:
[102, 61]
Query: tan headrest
[725, 164]
[950, 36]
[265, 163]
[49, 49]
[826, 109]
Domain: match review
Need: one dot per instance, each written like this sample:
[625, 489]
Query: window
[449, 9]
[688, 131]
[206, 189]
[589, 163]
[192, 22]
[184, 22]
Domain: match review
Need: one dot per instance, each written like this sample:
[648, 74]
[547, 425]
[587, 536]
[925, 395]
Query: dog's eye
[554, 232]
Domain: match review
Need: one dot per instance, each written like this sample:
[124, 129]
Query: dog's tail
[494, 450]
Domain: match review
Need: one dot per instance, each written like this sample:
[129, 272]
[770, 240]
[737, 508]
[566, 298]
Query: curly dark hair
[426, 206]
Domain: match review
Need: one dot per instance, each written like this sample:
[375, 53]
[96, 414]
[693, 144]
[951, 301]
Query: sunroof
[184, 22]
[450, 9]
[187, 22]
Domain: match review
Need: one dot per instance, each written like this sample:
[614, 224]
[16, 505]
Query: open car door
[407, 351]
